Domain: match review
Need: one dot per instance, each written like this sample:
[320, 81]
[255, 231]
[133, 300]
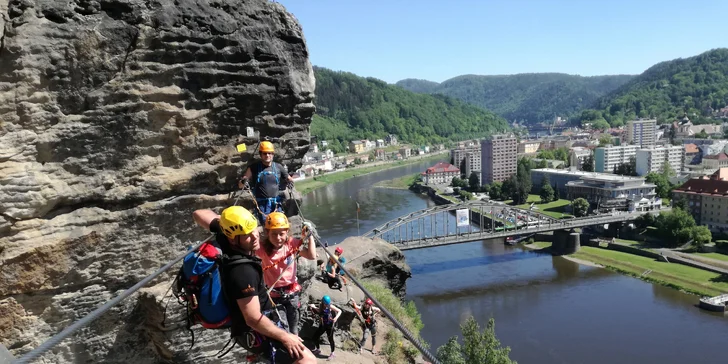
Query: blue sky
[437, 40]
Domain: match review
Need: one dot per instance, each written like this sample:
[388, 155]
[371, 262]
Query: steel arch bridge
[435, 226]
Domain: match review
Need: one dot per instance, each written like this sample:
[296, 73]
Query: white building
[467, 157]
[440, 173]
[641, 132]
[577, 156]
[380, 143]
[654, 159]
[606, 158]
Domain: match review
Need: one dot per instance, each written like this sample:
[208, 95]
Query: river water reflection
[547, 309]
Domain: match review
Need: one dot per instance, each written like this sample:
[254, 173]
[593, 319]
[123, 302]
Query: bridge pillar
[573, 243]
[565, 242]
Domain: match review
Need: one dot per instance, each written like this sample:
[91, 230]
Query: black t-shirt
[263, 180]
[240, 280]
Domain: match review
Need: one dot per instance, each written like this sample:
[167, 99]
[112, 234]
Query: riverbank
[314, 183]
[401, 183]
[681, 277]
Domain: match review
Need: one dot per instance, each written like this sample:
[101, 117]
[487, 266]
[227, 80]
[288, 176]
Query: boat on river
[715, 304]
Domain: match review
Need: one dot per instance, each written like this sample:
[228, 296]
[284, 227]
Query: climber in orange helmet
[267, 178]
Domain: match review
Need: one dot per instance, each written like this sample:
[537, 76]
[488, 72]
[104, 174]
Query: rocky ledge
[149, 327]
[118, 118]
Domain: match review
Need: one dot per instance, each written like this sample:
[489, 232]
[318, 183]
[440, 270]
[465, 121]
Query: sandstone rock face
[118, 118]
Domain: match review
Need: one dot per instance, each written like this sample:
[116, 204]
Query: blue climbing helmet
[326, 300]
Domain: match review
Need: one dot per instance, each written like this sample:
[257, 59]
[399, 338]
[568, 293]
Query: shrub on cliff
[478, 347]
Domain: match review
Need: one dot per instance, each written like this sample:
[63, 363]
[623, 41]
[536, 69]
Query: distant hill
[350, 107]
[526, 97]
[668, 90]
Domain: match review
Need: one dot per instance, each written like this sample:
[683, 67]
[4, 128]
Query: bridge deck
[486, 234]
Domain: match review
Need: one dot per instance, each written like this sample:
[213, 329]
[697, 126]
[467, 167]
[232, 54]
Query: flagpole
[357, 219]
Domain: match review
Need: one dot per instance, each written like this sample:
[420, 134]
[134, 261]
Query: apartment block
[467, 158]
[498, 158]
[707, 199]
[654, 159]
[642, 132]
[606, 158]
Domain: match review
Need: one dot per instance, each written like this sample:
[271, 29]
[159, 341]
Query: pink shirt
[271, 274]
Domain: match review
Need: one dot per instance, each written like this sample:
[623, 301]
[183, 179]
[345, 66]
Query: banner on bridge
[463, 217]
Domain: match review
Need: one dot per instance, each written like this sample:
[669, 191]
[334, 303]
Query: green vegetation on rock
[396, 348]
[479, 347]
[527, 97]
[668, 90]
[349, 107]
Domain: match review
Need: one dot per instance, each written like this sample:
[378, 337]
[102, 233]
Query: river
[547, 309]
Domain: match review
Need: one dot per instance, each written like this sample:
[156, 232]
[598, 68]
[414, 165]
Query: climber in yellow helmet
[256, 325]
[267, 179]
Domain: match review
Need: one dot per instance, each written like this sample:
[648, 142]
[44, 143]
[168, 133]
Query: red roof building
[440, 173]
[707, 199]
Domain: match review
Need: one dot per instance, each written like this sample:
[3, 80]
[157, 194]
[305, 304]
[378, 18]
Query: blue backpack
[200, 287]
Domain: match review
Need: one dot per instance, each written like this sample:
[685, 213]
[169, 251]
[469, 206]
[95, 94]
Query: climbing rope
[426, 353]
[53, 341]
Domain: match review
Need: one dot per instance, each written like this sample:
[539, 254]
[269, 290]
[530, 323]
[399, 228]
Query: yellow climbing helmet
[237, 220]
[266, 146]
[276, 220]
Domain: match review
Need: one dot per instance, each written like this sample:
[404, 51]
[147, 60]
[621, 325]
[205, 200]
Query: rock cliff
[118, 118]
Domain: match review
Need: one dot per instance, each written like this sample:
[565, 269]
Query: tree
[588, 164]
[605, 139]
[680, 203]
[522, 184]
[701, 236]
[701, 134]
[474, 181]
[557, 194]
[627, 169]
[496, 191]
[676, 227]
[663, 186]
[478, 347]
[580, 207]
[508, 189]
[667, 171]
[547, 192]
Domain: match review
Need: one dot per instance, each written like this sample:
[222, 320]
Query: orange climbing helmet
[266, 147]
[276, 220]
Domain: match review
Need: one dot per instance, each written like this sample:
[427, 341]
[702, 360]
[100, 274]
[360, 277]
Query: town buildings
[606, 158]
[707, 199]
[467, 158]
[441, 173]
[641, 132]
[498, 158]
[655, 159]
[609, 192]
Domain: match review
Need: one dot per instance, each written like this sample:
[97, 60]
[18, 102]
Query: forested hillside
[527, 97]
[668, 90]
[350, 107]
